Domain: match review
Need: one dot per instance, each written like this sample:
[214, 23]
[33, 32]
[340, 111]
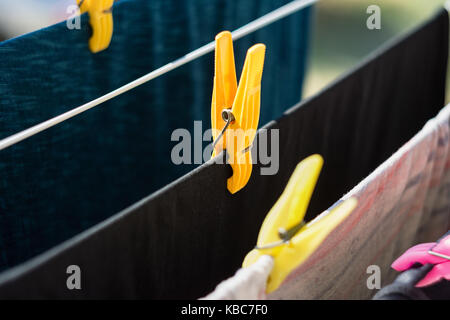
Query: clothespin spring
[437, 254]
[229, 118]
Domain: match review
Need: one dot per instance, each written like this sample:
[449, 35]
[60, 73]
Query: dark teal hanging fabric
[82, 171]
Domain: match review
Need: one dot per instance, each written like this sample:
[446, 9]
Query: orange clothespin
[101, 20]
[235, 110]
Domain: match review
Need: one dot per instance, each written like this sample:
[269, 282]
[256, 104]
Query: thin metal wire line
[437, 254]
[238, 33]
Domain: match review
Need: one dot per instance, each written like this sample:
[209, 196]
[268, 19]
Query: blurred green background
[341, 40]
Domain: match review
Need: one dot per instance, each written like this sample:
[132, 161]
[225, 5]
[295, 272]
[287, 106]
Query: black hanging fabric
[64, 180]
[182, 240]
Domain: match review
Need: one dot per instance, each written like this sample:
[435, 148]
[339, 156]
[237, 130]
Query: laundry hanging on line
[181, 241]
[63, 181]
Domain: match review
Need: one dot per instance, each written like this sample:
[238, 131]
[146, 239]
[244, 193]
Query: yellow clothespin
[101, 20]
[235, 110]
[284, 235]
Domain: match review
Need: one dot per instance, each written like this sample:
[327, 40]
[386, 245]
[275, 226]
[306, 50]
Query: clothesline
[253, 26]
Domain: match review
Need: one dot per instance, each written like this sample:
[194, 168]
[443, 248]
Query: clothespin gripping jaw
[235, 109]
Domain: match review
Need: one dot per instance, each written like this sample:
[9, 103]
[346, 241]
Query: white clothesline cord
[238, 33]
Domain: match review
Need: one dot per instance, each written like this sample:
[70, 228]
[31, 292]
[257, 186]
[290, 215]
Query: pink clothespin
[435, 253]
